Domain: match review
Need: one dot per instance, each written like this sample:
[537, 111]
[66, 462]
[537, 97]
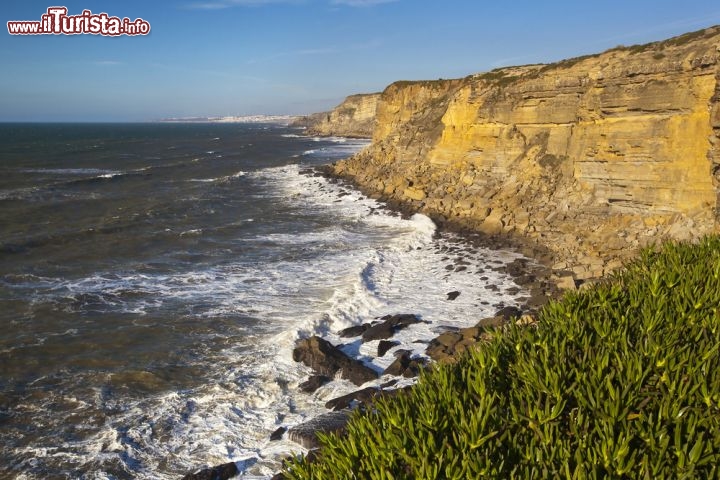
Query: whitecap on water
[362, 264]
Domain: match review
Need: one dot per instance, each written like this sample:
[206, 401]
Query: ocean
[155, 277]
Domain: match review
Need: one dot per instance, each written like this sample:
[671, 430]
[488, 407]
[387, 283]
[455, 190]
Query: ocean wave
[225, 178]
[361, 262]
[70, 171]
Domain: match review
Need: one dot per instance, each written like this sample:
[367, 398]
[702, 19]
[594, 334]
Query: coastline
[531, 274]
[572, 186]
[545, 258]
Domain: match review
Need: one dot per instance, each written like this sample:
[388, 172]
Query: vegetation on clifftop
[620, 380]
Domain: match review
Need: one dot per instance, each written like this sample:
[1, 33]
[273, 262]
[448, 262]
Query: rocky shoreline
[551, 161]
[532, 274]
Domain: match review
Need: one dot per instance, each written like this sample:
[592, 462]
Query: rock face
[221, 472]
[354, 117]
[591, 157]
[326, 359]
[306, 433]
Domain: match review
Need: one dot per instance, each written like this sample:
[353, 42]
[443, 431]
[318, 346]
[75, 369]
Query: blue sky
[237, 57]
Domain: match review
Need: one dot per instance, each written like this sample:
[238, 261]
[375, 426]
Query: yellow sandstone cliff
[591, 157]
[354, 117]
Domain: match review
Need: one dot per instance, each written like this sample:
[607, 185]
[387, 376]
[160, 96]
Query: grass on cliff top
[657, 47]
[621, 380]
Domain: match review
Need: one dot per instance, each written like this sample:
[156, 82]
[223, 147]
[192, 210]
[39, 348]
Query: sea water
[155, 277]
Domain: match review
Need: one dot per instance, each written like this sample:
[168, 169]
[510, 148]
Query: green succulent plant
[621, 380]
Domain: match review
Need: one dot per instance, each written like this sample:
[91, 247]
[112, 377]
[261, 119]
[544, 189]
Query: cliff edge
[354, 117]
[591, 157]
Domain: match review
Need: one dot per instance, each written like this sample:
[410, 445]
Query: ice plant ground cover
[619, 380]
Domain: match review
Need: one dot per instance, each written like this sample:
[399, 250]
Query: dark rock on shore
[386, 345]
[305, 434]
[313, 383]
[221, 472]
[354, 331]
[326, 359]
[277, 434]
[405, 366]
[345, 402]
[448, 345]
[508, 312]
[453, 295]
[390, 325]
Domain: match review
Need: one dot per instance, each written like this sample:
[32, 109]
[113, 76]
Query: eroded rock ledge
[354, 117]
[591, 157]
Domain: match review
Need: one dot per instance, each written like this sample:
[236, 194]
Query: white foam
[71, 171]
[226, 178]
[367, 263]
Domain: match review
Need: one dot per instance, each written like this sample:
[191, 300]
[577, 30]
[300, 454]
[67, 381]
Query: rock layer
[354, 117]
[591, 157]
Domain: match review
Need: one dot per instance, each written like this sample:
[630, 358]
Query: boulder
[405, 365]
[221, 472]
[508, 312]
[305, 434]
[385, 345]
[326, 359]
[277, 434]
[313, 383]
[354, 331]
[389, 325]
[453, 295]
[344, 402]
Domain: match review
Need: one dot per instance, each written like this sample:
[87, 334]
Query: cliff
[591, 157]
[354, 117]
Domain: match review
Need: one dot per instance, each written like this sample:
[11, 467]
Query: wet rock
[277, 434]
[326, 359]
[508, 312]
[389, 325]
[354, 331]
[305, 434]
[346, 401]
[405, 366]
[385, 345]
[453, 295]
[389, 383]
[221, 472]
[313, 383]
[492, 322]
[525, 279]
[537, 299]
[448, 345]
[516, 268]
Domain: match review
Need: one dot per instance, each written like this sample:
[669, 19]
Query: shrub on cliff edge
[621, 380]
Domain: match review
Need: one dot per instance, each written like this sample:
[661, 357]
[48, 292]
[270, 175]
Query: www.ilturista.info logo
[57, 22]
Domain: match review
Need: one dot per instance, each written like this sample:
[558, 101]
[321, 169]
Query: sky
[243, 57]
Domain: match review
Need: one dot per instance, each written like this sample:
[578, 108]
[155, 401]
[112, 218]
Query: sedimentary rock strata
[354, 117]
[591, 157]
